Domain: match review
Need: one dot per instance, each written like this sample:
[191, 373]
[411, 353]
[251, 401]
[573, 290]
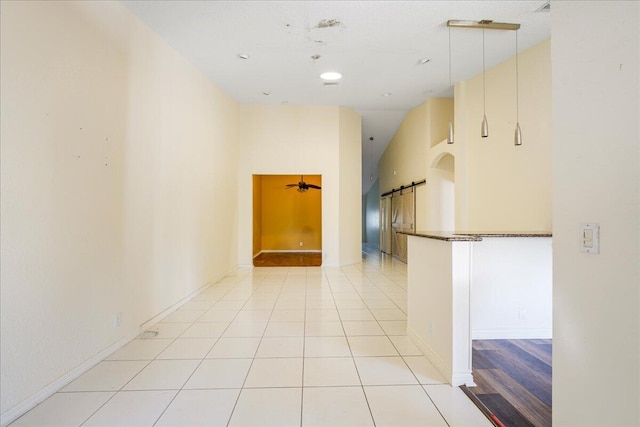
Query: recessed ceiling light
[331, 76]
[243, 56]
[423, 61]
[386, 94]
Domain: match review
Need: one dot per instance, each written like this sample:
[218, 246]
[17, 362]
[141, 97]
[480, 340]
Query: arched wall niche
[442, 193]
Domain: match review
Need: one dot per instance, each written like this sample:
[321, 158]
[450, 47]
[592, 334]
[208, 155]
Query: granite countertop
[472, 236]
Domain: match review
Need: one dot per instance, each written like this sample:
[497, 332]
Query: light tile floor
[272, 347]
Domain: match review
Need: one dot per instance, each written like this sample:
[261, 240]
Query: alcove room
[287, 220]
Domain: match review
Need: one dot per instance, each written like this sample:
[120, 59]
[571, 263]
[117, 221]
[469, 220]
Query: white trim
[511, 334]
[437, 362]
[291, 251]
[35, 399]
[463, 377]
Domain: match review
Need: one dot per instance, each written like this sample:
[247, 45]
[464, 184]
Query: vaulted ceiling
[393, 55]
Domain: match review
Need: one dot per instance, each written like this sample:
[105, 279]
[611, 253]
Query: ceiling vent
[330, 83]
[545, 7]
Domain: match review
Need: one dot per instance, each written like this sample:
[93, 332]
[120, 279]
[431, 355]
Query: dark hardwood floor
[513, 380]
[288, 259]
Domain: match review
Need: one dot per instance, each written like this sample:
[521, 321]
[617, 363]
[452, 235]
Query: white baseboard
[26, 405]
[32, 401]
[511, 334]
[291, 251]
[457, 378]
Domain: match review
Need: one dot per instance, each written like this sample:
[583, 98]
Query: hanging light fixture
[450, 139]
[484, 132]
[489, 25]
[371, 159]
[517, 137]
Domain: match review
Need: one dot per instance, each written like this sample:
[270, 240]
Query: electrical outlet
[300, 243]
[117, 319]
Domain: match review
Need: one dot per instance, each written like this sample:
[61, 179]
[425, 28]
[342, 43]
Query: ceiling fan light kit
[302, 186]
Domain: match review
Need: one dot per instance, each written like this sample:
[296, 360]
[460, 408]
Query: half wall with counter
[476, 285]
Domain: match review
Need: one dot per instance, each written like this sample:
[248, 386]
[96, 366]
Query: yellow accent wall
[288, 216]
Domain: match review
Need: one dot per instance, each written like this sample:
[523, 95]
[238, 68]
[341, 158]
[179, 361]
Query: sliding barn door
[403, 219]
[385, 225]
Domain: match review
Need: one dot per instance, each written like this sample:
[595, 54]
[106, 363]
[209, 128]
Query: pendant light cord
[450, 85]
[517, 83]
[484, 84]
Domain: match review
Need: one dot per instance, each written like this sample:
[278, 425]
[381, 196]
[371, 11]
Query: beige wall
[289, 217]
[508, 187]
[350, 155]
[596, 178]
[116, 154]
[406, 159]
[497, 186]
[288, 139]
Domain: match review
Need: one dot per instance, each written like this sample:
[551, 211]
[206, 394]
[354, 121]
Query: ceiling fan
[302, 186]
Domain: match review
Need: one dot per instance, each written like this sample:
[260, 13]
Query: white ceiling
[376, 45]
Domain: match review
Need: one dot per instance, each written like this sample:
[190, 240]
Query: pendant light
[450, 139]
[484, 132]
[489, 25]
[517, 137]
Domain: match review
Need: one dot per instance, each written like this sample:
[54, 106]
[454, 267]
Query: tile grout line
[121, 389]
[304, 339]
[351, 351]
[258, 347]
[408, 367]
[211, 348]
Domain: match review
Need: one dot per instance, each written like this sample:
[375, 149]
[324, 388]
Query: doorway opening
[287, 220]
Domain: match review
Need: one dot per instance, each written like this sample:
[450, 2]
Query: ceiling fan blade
[314, 186]
[288, 186]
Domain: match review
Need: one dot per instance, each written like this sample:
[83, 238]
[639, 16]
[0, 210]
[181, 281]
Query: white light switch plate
[590, 238]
